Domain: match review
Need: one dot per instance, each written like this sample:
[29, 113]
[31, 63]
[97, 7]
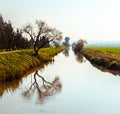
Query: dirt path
[6, 52]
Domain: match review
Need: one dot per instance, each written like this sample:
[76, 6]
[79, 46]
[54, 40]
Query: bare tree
[42, 34]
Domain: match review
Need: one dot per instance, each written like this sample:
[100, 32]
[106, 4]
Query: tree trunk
[36, 50]
[36, 53]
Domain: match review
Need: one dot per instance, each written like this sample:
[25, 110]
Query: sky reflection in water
[80, 89]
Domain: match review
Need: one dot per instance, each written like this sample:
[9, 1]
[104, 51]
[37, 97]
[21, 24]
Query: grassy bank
[14, 65]
[107, 57]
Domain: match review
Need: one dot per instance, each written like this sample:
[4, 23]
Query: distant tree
[79, 45]
[41, 35]
[67, 39]
[66, 42]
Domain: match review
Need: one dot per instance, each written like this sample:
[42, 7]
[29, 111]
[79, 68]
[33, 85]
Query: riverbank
[106, 60]
[14, 65]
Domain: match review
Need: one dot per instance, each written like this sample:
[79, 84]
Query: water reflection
[96, 92]
[115, 73]
[9, 87]
[66, 51]
[79, 57]
[42, 88]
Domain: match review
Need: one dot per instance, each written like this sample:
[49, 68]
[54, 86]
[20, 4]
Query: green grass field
[14, 65]
[114, 51]
[106, 57]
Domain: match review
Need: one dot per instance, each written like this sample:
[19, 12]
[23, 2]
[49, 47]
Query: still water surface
[69, 85]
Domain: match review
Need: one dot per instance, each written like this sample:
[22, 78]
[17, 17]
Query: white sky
[93, 20]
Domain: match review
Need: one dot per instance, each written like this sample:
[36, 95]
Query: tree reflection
[13, 86]
[66, 51]
[79, 57]
[44, 89]
[67, 46]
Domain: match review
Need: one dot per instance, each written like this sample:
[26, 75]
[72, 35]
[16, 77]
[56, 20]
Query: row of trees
[10, 39]
[40, 35]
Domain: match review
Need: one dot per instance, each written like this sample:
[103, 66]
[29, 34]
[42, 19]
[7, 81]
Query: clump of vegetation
[77, 47]
[14, 65]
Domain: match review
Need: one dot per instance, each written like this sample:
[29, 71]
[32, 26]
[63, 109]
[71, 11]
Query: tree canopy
[77, 47]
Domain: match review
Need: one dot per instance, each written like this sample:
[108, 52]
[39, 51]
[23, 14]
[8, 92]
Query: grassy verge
[107, 57]
[114, 51]
[14, 65]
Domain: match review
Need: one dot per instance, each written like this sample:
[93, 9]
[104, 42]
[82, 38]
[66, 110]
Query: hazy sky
[92, 20]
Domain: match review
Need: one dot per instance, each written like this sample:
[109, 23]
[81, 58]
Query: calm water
[69, 85]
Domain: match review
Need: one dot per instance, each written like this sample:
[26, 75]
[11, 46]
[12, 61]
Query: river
[68, 85]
